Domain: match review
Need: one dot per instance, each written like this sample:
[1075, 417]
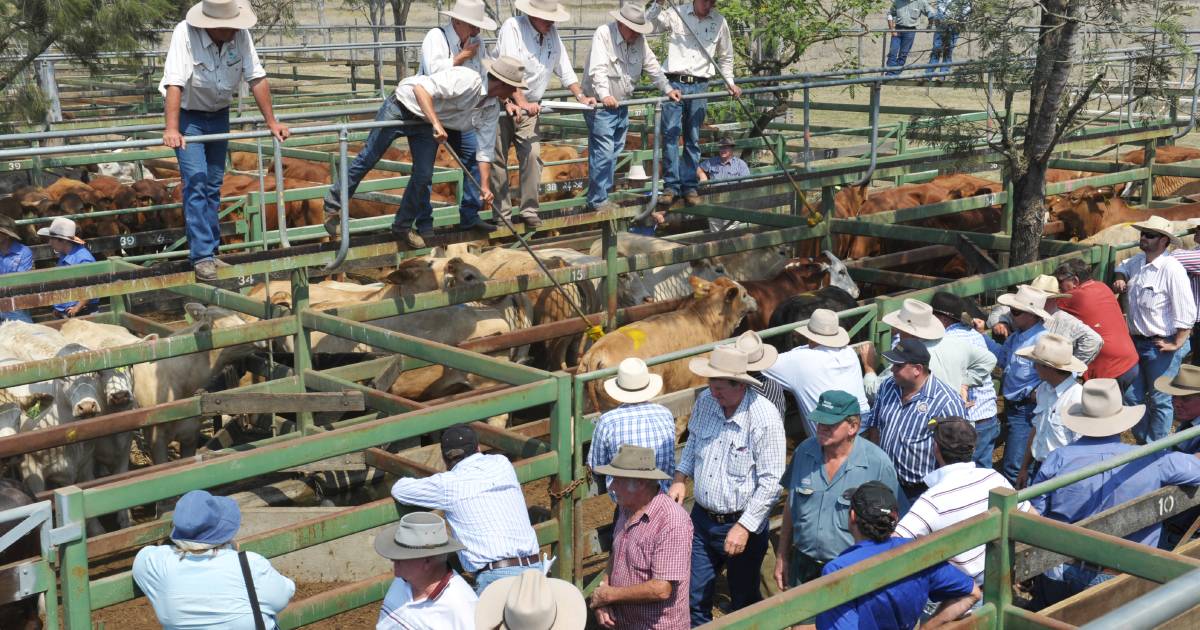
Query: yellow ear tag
[595, 332]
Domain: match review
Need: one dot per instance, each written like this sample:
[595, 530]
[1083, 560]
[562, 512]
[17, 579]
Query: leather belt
[723, 519]
[686, 79]
[510, 562]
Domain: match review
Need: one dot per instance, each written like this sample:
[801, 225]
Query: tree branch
[16, 69]
[1071, 113]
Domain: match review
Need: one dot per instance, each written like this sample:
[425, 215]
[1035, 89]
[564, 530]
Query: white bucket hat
[633, 16]
[724, 362]
[1053, 351]
[221, 14]
[1158, 225]
[61, 228]
[824, 328]
[916, 318]
[1100, 412]
[531, 601]
[633, 383]
[545, 9]
[1026, 299]
[759, 356]
[471, 12]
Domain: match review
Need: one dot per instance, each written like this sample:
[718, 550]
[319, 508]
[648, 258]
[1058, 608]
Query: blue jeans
[902, 42]
[464, 144]
[484, 578]
[683, 117]
[202, 169]
[708, 557]
[1153, 363]
[414, 205]
[943, 50]
[986, 432]
[16, 316]
[606, 138]
[1019, 417]
[1075, 579]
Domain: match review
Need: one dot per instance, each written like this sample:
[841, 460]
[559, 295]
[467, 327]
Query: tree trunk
[400, 10]
[1029, 214]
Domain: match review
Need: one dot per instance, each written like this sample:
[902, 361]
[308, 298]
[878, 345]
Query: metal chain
[568, 489]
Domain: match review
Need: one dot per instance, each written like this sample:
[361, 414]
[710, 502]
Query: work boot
[482, 225]
[608, 206]
[666, 198]
[691, 199]
[531, 221]
[220, 263]
[332, 223]
[206, 270]
[410, 238]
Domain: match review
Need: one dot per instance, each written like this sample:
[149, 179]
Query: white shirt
[461, 102]
[1160, 296]
[484, 505]
[809, 372]
[684, 56]
[542, 55]
[1047, 416]
[439, 48]
[956, 493]
[208, 73]
[614, 66]
[452, 609]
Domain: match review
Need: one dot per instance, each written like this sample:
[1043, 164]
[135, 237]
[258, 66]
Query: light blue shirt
[1020, 377]
[984, 396]
[17, 258]
[207, 590]
[716, 169]
[77, 256]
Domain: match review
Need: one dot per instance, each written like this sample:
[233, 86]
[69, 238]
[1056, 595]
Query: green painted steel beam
[928, 211]
[894, 278]
[1095, 166]
[1179, 169]
[1120, 177]
[53, 274]
[768, 219]
[335, 602]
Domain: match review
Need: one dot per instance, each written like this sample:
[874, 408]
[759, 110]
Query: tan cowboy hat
[1185, 383]
[545, 9]
[633, 383]
[1054, 351]
[221, 14]
[1100, 413]
[916, 318]
[724, 362]
[633, 16]
[1049, 286]
[759, 356]
[62, 228]
[417, 535]
[1158, 225]
[635, 462]
[1026, 299]
[823, 327]
[471, 12]
[508, 70]
[531, 601]
[8, 227]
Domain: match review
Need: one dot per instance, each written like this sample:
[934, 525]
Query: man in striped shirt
[1190, 259]
[900, 419]
[957, 315]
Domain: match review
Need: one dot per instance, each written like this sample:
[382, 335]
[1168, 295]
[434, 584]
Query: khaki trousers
[524, 138]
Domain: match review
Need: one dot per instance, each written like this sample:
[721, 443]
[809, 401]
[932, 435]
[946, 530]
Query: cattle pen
[144, 274]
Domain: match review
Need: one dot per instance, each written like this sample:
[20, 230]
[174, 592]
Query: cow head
[1087, 210]
[733, 300]
[414, 275]
[80, 391]
[839, 275]
[460, 273]
[206, 319]
[118, 386]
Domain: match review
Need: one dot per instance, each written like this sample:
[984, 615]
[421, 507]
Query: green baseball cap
[834, 406]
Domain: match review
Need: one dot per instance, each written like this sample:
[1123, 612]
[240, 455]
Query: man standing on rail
[697, 36]
[445, 47]
[15, 257]
[903, 18]
[532, 39]
[211, 53]
[455, 98]
[619, 57]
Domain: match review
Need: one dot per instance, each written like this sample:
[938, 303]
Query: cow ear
[731, 294]
[398, 276]
[194, 310]
[152, 337]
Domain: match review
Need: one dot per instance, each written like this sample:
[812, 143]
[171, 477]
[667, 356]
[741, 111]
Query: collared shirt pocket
[1148, 297]
[842, 516]
[740, 462]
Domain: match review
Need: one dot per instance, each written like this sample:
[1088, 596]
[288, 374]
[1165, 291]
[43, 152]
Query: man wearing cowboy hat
[826, 363]
[960, 316]
[1020, 379]
[210, 55]
[1085, 342]
[689, 69]
[619, 57]
[458, 44]
[532, 39]
[735, 454]
[426, 594]
[531, 601]
[723, 165]
[759, 358]
[646, 584]
[1185, 388]
[1059, 389]
[455, 98]
[15, 257]
[1100, 419]
[1093, 303]
[70, 250]
[1161, 313]
[824, 467]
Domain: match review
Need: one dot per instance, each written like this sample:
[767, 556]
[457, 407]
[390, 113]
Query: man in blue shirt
[14, 257]
[1020, 376]
[873, 517]
[71, 251]
[1101, 419]
[723, 165]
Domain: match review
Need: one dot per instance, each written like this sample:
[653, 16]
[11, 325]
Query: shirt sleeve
[435, 52]
[980, 364]
[597, 66]
[916, 522]
[25, 259]
[1088, 342]
[1125, 267]
[1183, 303]
[743, 169]
[770, 445]
[1180, 469]
[725, 52]
[949, 582]
[564, 71]
[177, 68]
[486, 123]
[955, 406]
[671, 559]
[146, 571]
[1189, 258]
[508, 40]
[432, 492]
[653, 69]
[871, 383]
[1000, 315]
[252, 68]
[662, 19]
[274, 589]
[599, 450]
[687, 457]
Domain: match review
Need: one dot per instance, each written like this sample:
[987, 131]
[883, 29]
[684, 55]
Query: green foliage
[772, 35]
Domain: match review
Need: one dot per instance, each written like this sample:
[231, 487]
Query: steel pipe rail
[1155, 608]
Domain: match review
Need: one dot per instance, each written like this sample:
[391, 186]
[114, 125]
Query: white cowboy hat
[637, 173]
[759, 356]
[471, 12]
[417, 535]
[508, 70]
[545, 9]
[1049, 286]
[531, 601]
[1054, 351]
[1026, 299]
[1158, 225]
[633, 383]
[1100, 412]
[633, 16]
[724, 362]
[61, 228]
[221, 14]
[1185, 383]
[916, 318]
[823, 327]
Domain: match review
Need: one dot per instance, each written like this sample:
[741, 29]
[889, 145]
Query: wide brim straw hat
[634, 462]
[916, 318]
[61, 228]
[1100, 412]
[1048, 285]
[417, 535]
[1185, 383]
[8, 227]
[1158, 225]
[528, 600]
[545, 9]
[1053, 351]
[759, 356]
[824, 328]
[221, 14]
[633, 16]
[472, 12]
[508, 70]
[1026, 299]
[725, 362]
[634, 383]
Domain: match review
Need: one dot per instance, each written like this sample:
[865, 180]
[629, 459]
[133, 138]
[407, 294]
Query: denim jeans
[986, 432]
[606, 138]
[684, 117]
[943, 50]
[1019, 417]
[1075, 579]
[902, 42]
[1126, 380]
[16, 316]
[465, 145]
[708, 557]
[414, 205]
[485, 578]
[1153, 363]
[202, 169]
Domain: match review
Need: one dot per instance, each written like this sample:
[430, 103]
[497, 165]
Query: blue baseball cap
[203, 518]
[834, 406]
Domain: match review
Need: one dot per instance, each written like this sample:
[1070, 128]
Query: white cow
[661, 283]
[34, 342]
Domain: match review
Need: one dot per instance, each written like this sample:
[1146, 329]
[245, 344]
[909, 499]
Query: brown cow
[1089, 210]
[1165, 185]
[799, 276]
